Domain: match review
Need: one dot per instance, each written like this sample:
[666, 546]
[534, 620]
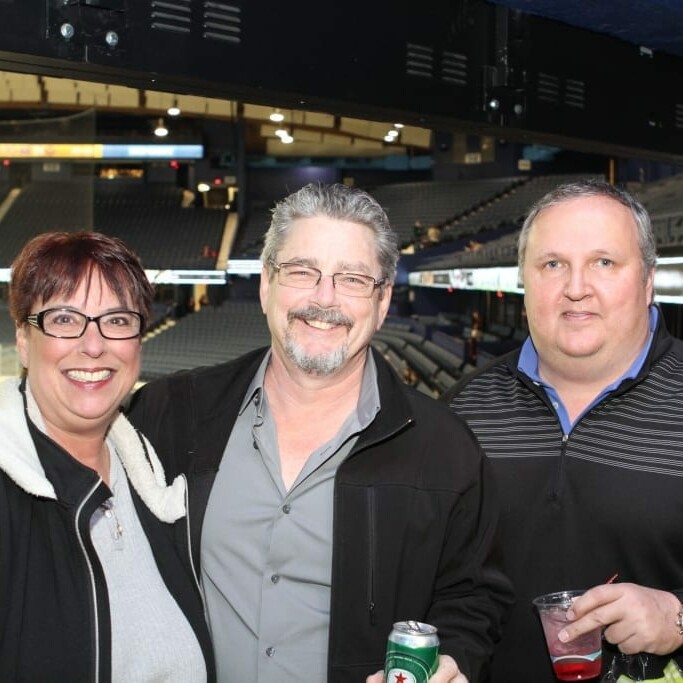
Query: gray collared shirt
[266, 552]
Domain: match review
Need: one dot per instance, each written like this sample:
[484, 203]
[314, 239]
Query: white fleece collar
[19, 459]
[166, 502]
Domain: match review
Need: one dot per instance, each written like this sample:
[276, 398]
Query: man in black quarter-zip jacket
[327, 499]
[584, 429]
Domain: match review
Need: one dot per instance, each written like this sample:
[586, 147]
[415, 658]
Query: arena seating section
[148, 217]
[7, 326]
[664, 201]
[249, 241]
[211, 335]
[439, 349]
[494, 225]
[436, 203]
[43, 206]
[9, 363]
[165, 235]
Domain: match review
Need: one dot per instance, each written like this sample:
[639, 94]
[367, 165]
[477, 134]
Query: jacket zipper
[91, 573]
[371, 520]
[189, 541]
[538, 391]
[371, 555]
[559, 472]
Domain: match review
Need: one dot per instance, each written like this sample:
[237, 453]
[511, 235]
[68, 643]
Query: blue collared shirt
[528, 364]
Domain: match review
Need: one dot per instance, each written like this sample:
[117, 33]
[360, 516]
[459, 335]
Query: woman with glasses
[96, 583]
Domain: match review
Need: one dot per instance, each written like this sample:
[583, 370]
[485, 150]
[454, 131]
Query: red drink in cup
[579, 660]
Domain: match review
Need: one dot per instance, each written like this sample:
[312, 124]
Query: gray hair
[595, 188]
[339, 202]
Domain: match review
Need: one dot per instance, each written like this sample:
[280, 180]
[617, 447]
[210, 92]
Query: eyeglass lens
[66, 323]
[305, 277]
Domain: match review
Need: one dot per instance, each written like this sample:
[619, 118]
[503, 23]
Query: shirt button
[286, 508]
[555, 404]
[270, 651]
[275, 578]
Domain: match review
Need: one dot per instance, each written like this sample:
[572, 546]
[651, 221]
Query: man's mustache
[325, 315]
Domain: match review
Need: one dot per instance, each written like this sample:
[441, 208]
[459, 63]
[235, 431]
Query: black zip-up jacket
[415, 513]
[54, 606]
[577, 508]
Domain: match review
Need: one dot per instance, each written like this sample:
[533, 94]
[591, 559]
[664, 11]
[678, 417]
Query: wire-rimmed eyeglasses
[307, 277]
[65, 323]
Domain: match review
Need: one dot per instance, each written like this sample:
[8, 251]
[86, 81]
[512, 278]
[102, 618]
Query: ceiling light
[398, 125]
[287, 139]
[392, 133]
[174, 109]
[277, 116]
[161, 131]
[281, 133]
[203, 187]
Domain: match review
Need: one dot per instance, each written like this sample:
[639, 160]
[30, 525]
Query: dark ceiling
[533, 73]
[655, 24]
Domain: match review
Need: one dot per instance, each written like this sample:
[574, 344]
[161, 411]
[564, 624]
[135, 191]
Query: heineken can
[412, 653]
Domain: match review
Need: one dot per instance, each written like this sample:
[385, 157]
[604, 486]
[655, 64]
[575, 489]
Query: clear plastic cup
[579, 660]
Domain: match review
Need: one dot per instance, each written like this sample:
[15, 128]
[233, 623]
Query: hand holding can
[412, 653]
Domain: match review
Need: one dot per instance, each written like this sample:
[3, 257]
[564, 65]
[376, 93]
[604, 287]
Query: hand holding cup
[579, 659]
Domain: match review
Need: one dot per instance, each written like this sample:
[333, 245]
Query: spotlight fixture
[277, 116]
[161, 131]
[174, 109]
[284, 136]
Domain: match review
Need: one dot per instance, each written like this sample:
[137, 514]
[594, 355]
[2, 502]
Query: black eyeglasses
[306, 277]
[65, 323]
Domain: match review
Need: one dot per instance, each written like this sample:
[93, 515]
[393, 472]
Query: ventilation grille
[574, 93]
[678, 116]
[454, 68]
[419, 61]
[569, 92]
[548, 88]
[219, 20]
[222, 21]
[173, 16]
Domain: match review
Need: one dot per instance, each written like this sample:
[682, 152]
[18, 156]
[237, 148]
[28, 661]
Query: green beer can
[412, 653]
